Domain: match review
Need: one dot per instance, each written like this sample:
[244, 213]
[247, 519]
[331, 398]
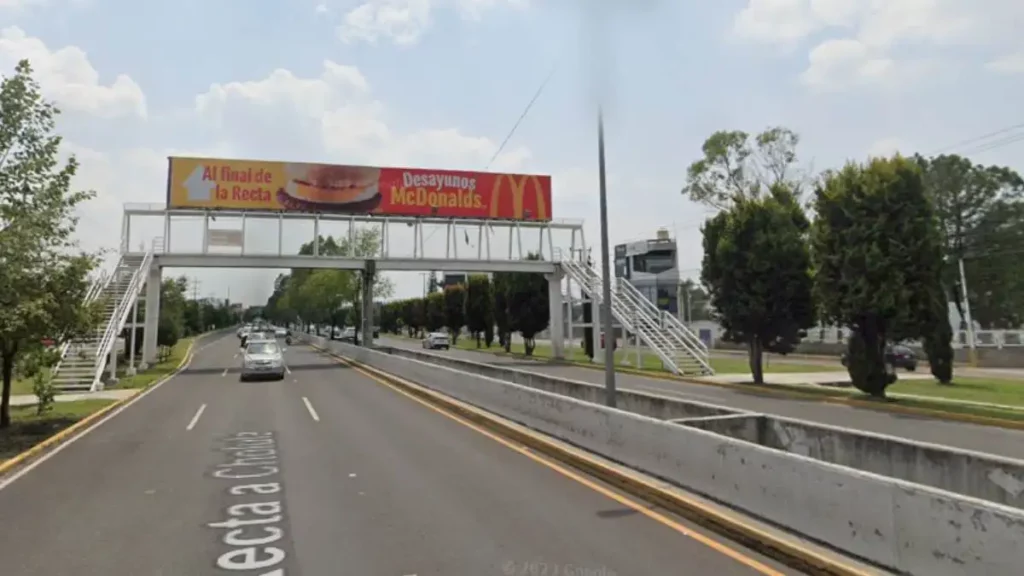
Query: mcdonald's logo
[518, 188]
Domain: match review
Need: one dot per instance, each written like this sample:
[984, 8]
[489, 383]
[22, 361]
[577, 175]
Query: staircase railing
[681, 336]
[95, 289]
[120, 316]
[637, 314]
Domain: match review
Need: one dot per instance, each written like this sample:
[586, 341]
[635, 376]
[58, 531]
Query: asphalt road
[325, 473]
[969, 436]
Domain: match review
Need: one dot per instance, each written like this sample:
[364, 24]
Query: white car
[262, 359]
[280, 332]
[436, 340]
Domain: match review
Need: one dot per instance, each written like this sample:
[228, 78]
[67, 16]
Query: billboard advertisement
[218, 184]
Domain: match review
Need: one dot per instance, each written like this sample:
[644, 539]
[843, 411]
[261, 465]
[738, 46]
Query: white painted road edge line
[81, 434]
[309, 407]
[195, 419]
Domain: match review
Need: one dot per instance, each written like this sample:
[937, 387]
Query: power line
[529, 105]
[522, 116]
[979, 141]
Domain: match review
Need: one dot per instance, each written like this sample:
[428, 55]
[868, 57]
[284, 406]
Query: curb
[751, 537]
[992, 421]
[81, 427]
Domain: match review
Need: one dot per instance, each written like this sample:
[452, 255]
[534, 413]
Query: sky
[440, 84]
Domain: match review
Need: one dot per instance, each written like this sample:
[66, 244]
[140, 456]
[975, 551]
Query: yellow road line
[568, 473]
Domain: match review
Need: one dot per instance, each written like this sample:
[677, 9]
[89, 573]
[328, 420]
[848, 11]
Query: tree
[757, 270]
[979, 210]
[455, 309]
[736, 166]
[171, 326]
[479, 311]
[43, 276]
[500, 308]
[527, 300]
[434, 318]
[877, 252]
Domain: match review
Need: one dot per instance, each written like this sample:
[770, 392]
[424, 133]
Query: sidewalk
[30, 399]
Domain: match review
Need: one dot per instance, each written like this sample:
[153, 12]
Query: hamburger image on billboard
[330, 188]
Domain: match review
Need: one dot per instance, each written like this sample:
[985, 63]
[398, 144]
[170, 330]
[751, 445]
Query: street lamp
[606, 276]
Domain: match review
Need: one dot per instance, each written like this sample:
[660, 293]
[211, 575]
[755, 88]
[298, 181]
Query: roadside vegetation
[45, 275]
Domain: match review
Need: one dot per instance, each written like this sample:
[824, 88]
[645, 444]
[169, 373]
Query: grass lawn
[157, 371]
[23, 386]
[650, 361]
[27, 429]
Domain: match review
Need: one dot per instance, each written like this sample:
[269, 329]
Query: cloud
[67, 77]
[1008, 64]
[403, 22]
[861, 41]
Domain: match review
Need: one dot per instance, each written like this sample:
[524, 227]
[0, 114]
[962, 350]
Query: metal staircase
[83, 360]
[679, 349]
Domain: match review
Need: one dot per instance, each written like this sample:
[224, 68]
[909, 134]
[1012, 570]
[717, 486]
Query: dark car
[898, 356]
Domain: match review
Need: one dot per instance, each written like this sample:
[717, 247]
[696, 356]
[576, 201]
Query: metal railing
[99, 284]
[638, 315]
[120, 315]
[682, 336]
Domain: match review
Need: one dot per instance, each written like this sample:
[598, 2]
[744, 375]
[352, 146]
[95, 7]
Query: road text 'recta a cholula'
[209, 183]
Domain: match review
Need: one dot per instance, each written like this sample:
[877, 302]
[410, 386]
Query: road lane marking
[195, 419]
[309, 407]
[224, 373]
[254, 530]
[36, 462]
[287, 370]
[571, 474]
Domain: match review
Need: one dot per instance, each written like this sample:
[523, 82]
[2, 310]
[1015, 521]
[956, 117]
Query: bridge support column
[152, 319]
[366, 301]
[556, 325]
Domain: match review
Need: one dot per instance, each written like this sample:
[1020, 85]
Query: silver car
[262, 359]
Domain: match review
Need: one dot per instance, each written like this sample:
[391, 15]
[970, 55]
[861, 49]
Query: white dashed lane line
[309, 407]
[195, 419]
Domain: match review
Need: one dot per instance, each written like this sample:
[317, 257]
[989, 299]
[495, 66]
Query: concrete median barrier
[902, 526]
[986, 476]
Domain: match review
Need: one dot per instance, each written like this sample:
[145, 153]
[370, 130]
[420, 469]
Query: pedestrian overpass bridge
[226, 241]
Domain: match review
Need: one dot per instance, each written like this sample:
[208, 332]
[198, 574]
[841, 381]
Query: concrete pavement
[114, 394]
[969, 436]
[327, 472]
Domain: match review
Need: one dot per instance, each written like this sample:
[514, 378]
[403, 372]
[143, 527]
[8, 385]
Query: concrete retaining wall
[902, 526]
[983, 476]
[653, 405]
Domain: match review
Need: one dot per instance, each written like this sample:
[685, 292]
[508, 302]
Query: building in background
[652, 266]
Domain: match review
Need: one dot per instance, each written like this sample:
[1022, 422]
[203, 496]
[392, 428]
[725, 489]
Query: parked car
[262, 359]
[895, 354]
[436, 340]
[347, 335]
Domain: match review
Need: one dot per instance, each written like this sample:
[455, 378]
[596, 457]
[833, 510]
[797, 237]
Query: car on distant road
[436, 340]
[280, 332]
[347, 335]
[262, 359]
[895, 354]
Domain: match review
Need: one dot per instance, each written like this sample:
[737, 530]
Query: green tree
[757, 270]
[171, 326]
[434, 317]
[527, 300]
[736, 166]
[979, 210]
[500, 308]
[43, 276]
[479, 311]
[455, 310]
[877, 252]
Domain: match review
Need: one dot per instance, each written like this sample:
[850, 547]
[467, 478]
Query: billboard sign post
[224, 184]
